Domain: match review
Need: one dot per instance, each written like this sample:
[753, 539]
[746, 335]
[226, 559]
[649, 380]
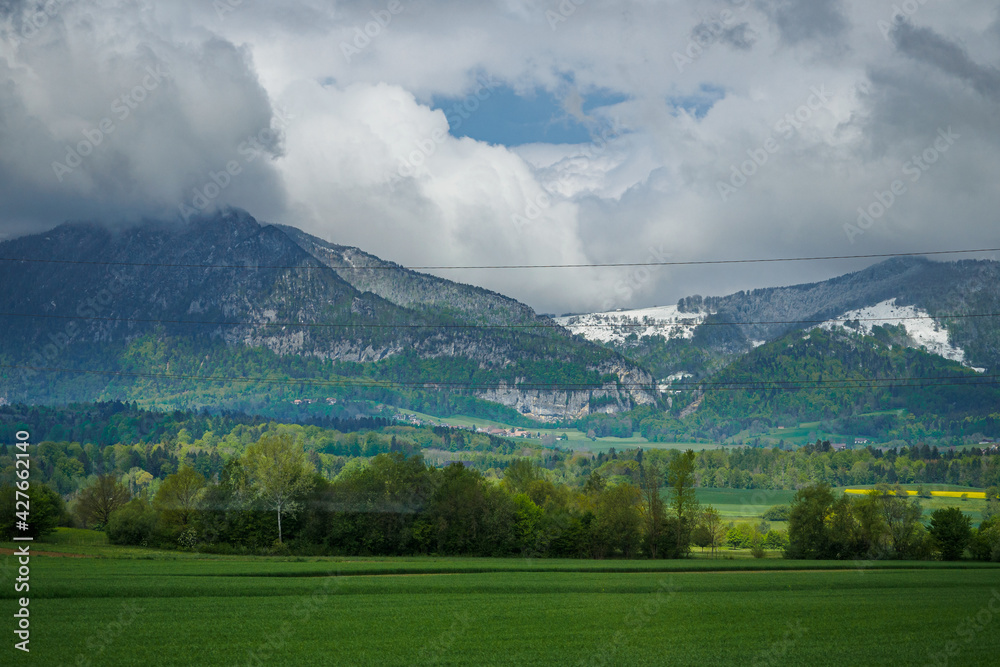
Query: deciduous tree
[683, 500]
[99, 500]
[653, 508]
[278, 473]
[711, 521]
[179, 496]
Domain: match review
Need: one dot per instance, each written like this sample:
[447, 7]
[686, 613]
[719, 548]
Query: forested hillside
[960, 288]
[215, 312]
[864, 386]
[77, 443]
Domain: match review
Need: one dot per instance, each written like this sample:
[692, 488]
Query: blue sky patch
[700, 103]
[502, 116]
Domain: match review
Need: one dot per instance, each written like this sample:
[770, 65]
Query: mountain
[842, 376]
[416, 291]
[148, 311]
[949, 309]
[856, 384]
[619, 325]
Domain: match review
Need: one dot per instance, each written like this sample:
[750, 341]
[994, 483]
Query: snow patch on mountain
[666, 387]
[616, 326]
[923, 330]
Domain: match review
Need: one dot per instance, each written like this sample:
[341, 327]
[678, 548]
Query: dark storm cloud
[95, 124]
[741, 37]
[927, 46]
[652, 191]
[808, 20]
[11, 7]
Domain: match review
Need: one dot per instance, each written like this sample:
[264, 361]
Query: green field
[574, 439]
[186, 609]
[743, 503]
[750, 504]
[973, 507]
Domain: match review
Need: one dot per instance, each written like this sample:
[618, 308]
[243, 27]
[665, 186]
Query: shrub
[47, 511]
[985, 543]
[741, 536]
[133, 524]
[279, 549]
[775, 539]
[777, 513]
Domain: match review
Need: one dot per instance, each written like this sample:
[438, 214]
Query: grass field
[574, 438]
[734, 504]
[183, 609]
[973, 507]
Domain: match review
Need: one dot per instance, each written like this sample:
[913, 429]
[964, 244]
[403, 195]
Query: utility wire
[395, 267]
[739, 385]
[488, 326]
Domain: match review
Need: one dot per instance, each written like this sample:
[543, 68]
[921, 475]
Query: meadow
[141, 606]
[746, 504]
[571, 438]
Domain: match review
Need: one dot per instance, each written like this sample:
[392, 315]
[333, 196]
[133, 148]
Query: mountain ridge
[939, 291]
[229, 281]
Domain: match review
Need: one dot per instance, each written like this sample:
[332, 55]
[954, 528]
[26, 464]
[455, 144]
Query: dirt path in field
[56, 554]
[406, 574]
[775, 571]
[437, 574]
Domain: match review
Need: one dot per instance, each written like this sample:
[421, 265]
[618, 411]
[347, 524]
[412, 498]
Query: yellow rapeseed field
[938, 494]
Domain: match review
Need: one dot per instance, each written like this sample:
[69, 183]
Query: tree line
[885, 523]
[270, 500]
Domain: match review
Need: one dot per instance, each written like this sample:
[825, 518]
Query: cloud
[109, 115]
[808, 20]
[372, 167]
[329, 134]
[927, 46]
[741, 37]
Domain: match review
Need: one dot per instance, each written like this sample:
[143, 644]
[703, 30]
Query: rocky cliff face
[229, 280]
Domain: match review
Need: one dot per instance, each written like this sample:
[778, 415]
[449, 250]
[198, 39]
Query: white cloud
[653, 191]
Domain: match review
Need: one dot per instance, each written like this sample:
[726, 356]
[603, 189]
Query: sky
[447, 133]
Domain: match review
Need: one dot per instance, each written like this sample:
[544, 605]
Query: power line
[488, 326]
[395, 267]
[895, 382]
